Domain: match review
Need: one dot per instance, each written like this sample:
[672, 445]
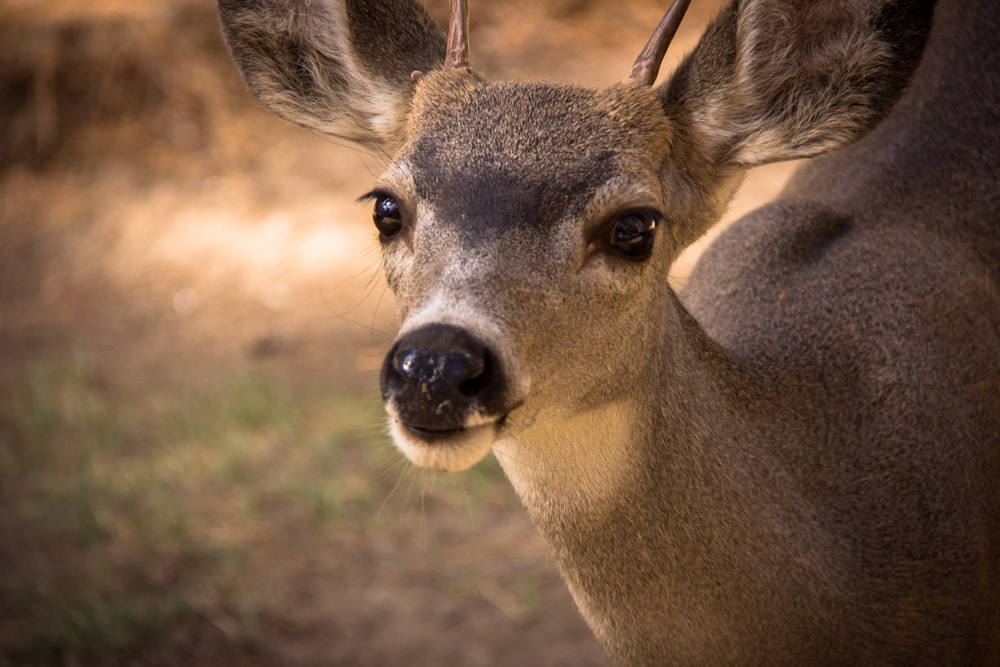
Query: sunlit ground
[193, 466]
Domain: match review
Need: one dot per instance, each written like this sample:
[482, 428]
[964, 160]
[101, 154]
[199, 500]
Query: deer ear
[341, 67]
[776, 80]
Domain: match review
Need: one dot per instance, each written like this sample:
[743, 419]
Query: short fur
[797, 461]
[304, 58]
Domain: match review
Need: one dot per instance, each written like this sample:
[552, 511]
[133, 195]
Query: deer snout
[440, 380]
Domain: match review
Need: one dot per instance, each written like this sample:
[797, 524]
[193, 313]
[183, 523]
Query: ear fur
[341, 67]
[776, 80]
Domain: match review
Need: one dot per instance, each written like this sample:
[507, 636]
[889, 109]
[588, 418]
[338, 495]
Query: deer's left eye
[632, 234]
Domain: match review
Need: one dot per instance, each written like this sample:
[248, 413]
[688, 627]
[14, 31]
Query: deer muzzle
[440, 380]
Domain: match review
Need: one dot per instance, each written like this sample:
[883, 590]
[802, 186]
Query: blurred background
[193, 464]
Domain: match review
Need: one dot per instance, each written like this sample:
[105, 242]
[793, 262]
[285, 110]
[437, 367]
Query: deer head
[527, 228]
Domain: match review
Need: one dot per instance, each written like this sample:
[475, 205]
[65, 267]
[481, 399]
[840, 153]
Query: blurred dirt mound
[105, 76]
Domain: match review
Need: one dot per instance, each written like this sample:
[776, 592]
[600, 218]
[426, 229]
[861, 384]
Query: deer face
[525, 232]
[528, 229]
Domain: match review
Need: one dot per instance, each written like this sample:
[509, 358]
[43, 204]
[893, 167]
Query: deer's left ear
[341, 67]
[804, 77]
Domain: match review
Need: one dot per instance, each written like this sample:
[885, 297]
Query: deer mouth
[449, 449]
[431, 435]
[435, 434]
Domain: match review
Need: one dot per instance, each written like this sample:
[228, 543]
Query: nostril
[476, 383]
[461, 367]
[414, 364]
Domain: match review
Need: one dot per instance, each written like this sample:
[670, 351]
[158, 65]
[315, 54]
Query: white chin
[455, 452]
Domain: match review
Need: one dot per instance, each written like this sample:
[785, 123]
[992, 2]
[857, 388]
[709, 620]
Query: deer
[793, 460]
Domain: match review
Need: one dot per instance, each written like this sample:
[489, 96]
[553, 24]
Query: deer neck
[645, 503]
[587, 462]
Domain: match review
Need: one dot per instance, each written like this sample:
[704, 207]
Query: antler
[647, 65]
[457, 56]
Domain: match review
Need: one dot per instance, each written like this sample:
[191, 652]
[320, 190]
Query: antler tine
[457, 56]
[647, 65]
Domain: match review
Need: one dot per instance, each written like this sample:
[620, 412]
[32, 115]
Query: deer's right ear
[782, 79]
[341, 67]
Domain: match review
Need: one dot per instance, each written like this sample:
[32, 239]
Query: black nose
[437, 375]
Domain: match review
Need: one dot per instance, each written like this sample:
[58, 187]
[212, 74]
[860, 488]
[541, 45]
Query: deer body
[797, 460]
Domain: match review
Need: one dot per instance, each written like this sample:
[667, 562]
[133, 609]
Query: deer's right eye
[388, 220]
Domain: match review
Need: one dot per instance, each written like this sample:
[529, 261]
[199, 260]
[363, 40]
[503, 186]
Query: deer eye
[632, 234]
[387, 217]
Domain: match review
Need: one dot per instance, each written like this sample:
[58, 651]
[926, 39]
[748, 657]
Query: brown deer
[797, 459]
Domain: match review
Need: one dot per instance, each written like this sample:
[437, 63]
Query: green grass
[128, 514]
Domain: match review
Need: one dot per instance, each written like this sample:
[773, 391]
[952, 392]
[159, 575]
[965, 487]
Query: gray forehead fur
[496, 155]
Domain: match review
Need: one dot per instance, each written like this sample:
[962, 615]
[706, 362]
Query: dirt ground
[192, 466]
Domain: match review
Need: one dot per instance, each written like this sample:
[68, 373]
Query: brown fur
[798, 460]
